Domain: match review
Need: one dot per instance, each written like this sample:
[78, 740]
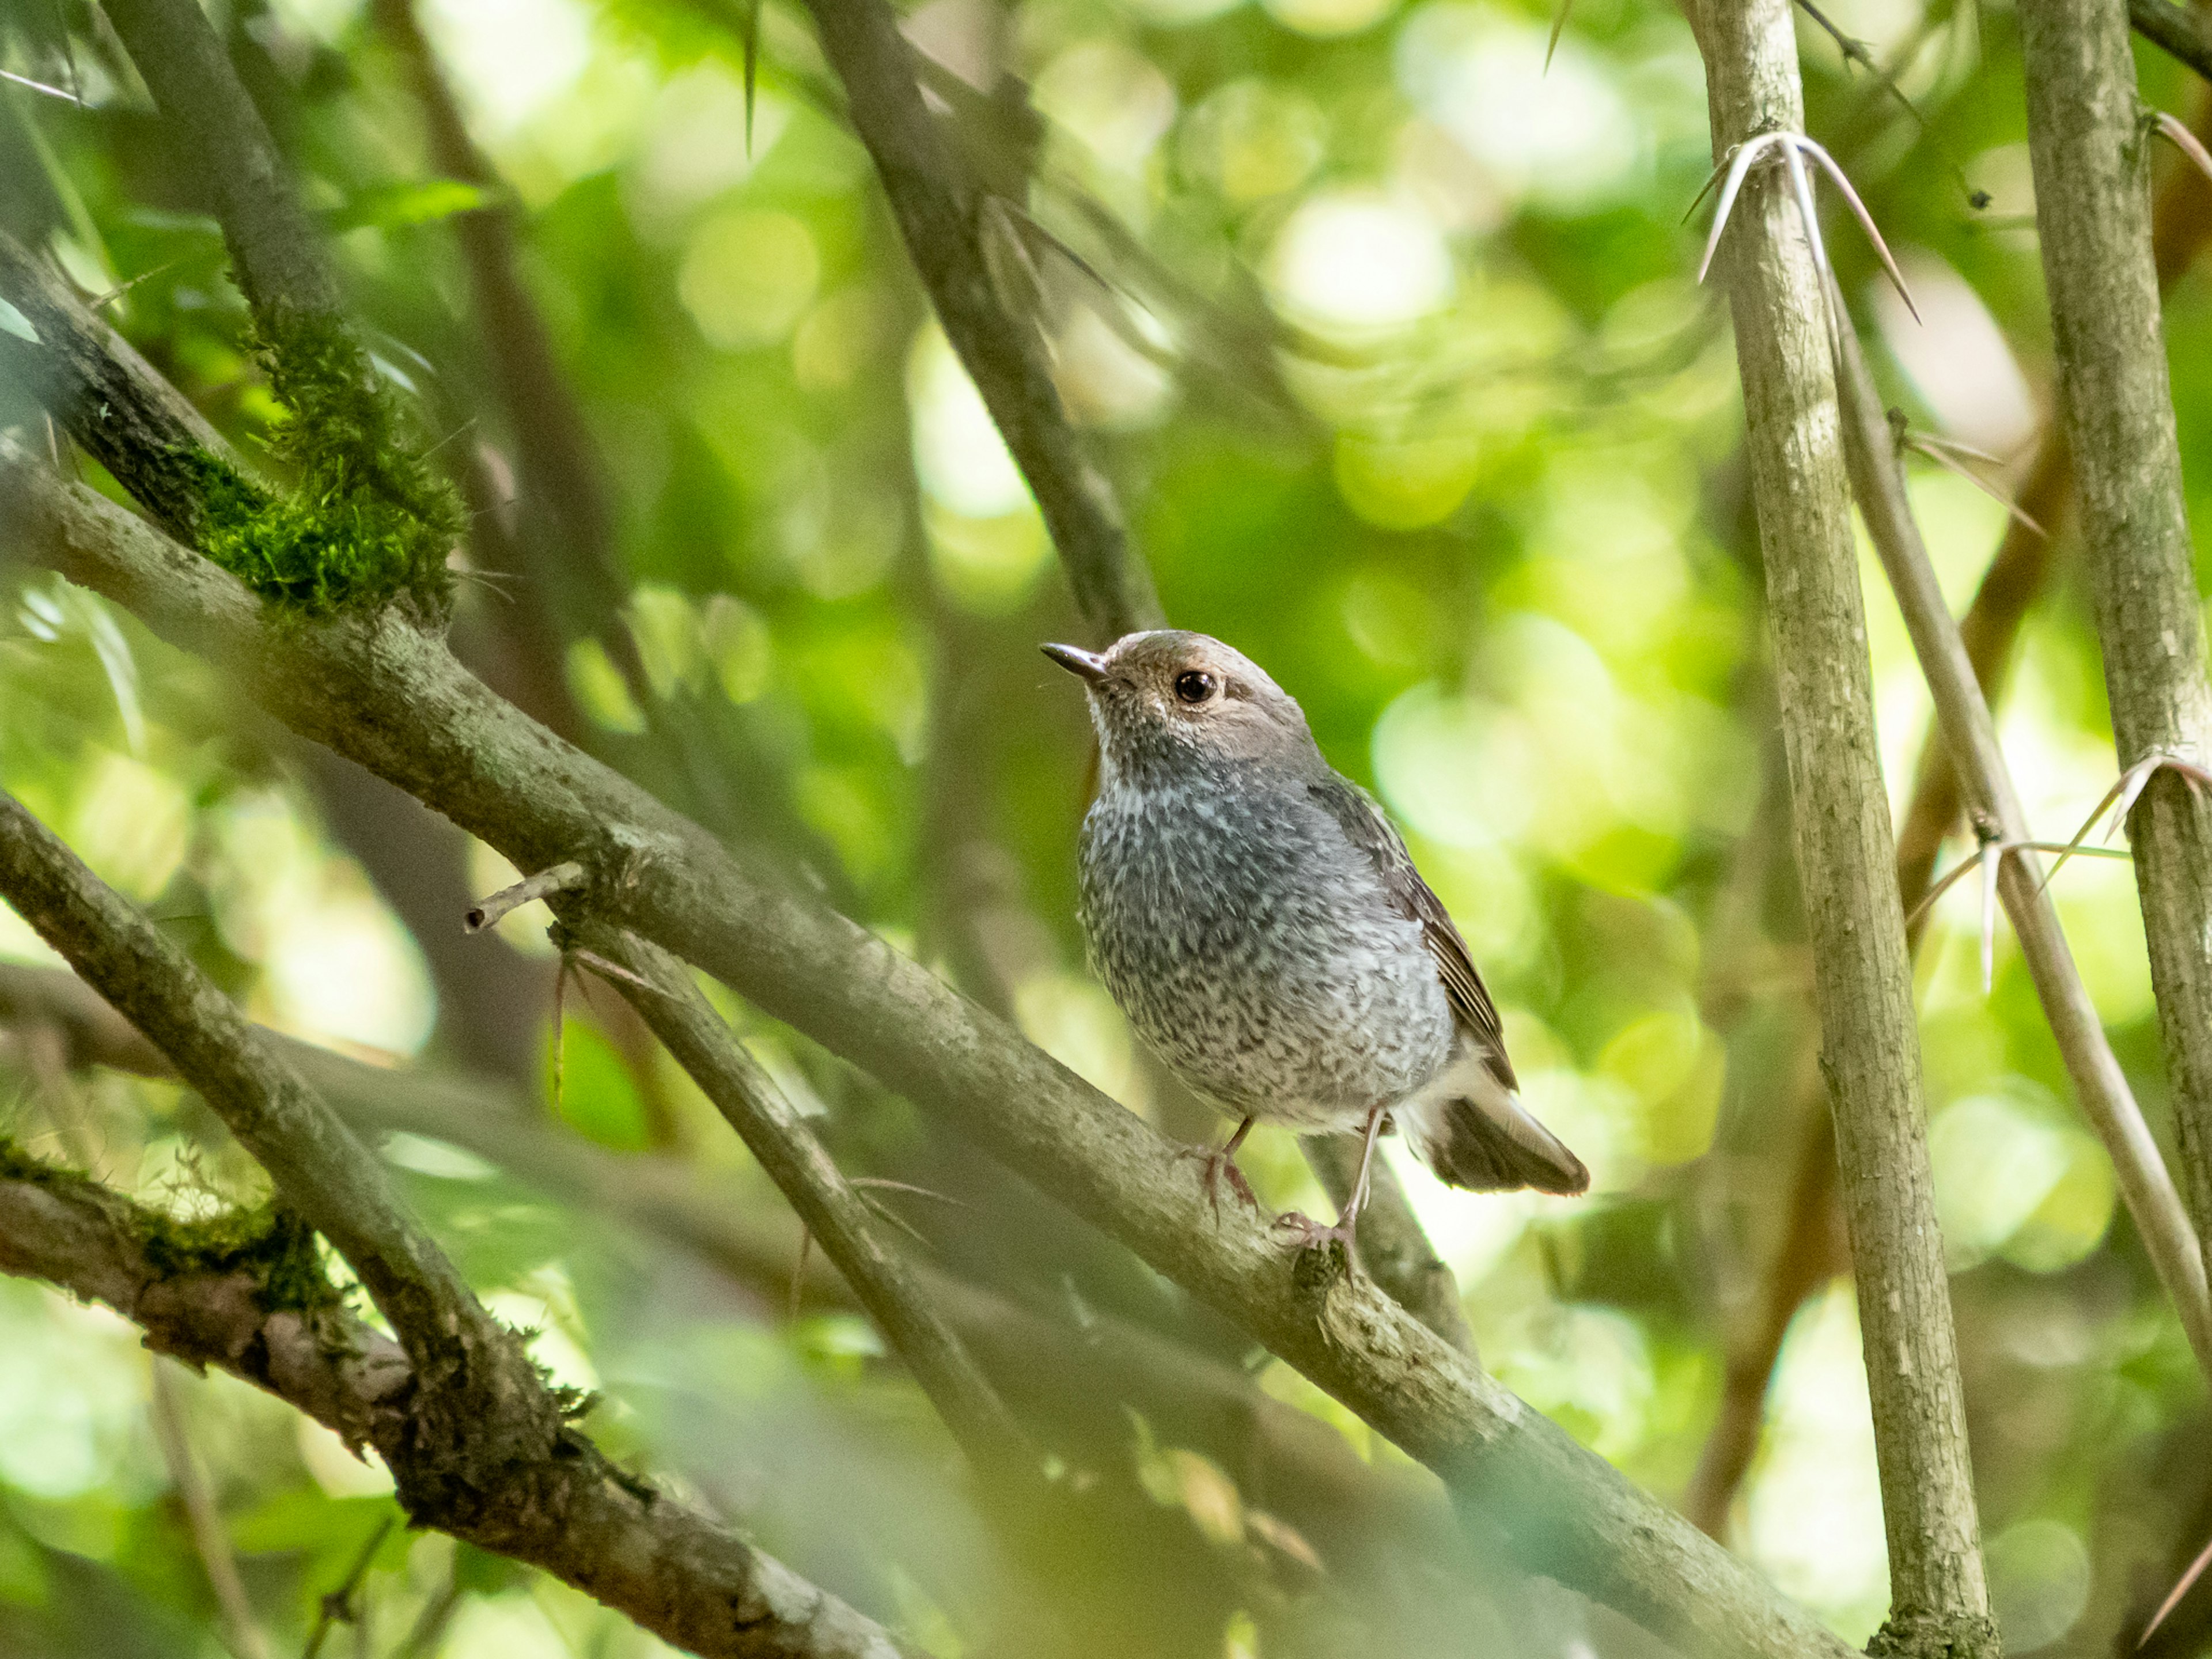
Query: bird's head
[1168, 698]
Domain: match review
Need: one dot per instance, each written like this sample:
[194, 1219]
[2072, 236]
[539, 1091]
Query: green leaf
[14, 322]
[420, 202]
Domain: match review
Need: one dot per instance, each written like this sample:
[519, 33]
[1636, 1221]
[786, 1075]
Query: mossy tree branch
[477, 1442]
[390, 696]
[1870, 1049]
[2088, 145]
[368, 521]
[668, 1566]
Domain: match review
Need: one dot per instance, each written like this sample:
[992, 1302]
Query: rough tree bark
[1870, 1048]
[2088, 143]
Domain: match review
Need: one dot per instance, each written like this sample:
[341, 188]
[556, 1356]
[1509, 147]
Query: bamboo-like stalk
[1846, 857]
[2088, 146]
[1993, 805]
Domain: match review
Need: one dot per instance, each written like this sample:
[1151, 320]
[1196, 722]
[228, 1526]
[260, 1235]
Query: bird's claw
[1307, 1234]
[1218, 1164]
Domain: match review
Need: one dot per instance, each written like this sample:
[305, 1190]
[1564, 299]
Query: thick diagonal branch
[1870, 1048]
[314, 1160]
[391, 696]
[2089, 146]
[475, 1442]
[1375, 1521]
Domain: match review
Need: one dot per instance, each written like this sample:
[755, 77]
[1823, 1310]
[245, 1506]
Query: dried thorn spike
[2178, 134]
[885, 1184]
[1919, 442]
[2173, 1596]
[66, 97]
[799, 1273]
[1992, 857]
[1866, 220]
[1745, 153]
[614, 970]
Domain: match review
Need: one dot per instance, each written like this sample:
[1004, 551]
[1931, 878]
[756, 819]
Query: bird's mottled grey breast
[1252, 943]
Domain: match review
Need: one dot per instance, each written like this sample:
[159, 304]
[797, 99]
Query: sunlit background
[1388, 335]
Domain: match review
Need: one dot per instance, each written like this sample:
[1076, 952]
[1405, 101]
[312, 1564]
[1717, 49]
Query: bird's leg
[1311, 1232]
[1219, 1164]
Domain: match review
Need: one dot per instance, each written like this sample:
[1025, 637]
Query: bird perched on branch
[1263, 928]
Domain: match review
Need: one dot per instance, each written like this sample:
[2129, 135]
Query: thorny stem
[1870, 1053]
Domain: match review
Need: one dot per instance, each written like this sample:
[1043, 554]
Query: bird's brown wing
[1368, 829]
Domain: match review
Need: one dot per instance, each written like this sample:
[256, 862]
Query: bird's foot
[1218, 1164]
[1305, 1233]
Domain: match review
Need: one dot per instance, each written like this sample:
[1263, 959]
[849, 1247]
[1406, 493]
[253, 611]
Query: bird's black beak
[1084, 665]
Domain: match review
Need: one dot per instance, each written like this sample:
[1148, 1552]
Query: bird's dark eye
[1194, 686]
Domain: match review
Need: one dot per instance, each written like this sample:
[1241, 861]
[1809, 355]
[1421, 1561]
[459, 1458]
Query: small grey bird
[1263, 928]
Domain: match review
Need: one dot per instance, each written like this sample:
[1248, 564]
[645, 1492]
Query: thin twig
[660, 989]
[488, 912]
[336, 1606]
[210, 1540]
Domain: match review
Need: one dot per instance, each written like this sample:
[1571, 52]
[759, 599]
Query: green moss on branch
[369, 519]
[269, 1242]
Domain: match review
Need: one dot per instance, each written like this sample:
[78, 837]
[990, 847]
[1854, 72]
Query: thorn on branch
[1987, 860]
[1946, 452]
[2122, 797]
[2178, 134]
[2173, 1596]
[1795, 146]
[66, 97]
[488, 912]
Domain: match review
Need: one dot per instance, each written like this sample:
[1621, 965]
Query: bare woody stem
[562, 878]
[1862, 986]
[2016, 577]
[940, 211]
[1993, 805]
[2088, 146]
[665, 998]
[391, 697]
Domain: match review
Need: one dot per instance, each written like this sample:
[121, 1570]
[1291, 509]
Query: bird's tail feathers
[1474, 1133]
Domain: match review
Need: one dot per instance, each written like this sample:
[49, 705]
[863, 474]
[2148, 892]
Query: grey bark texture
[1870, 1046]
[383, 692]
[2088, 143]
[1993, 806]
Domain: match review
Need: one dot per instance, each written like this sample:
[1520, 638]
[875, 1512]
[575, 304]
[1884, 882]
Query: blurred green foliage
[1386, 336]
